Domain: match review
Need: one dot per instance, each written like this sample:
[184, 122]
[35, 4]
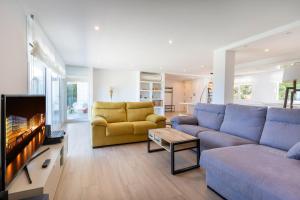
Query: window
[55, 103]
[242, 92]
[236, 92]
[281, 90]
[37, 77]
[46, 71]
[245, 92]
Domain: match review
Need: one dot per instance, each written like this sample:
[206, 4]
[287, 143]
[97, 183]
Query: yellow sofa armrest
[155, 118]
[99, 121]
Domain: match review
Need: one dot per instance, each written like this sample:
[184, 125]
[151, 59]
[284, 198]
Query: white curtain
[42, 48]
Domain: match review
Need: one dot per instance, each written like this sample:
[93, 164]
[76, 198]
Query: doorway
[77, 100]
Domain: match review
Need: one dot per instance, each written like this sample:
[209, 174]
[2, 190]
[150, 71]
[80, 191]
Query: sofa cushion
[216, 139]
[138, 111]
[99, 121]
[282, 128]
[110, 111]
[209, 115]
[191, 129]
[190, 120]
[119, 128]
[155, 118]
[252, 172]
[142, 127]
[244, 121]
[294, 152]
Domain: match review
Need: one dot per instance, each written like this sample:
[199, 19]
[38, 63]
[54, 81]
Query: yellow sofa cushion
[99, 121]
[119, 128]
[111, 111]
[142, 127]
[155, 118]
[138, 111]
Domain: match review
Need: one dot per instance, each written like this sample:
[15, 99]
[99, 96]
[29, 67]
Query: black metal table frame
[172, 151]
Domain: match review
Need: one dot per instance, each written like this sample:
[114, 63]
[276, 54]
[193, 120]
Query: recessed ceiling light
[292, 64]
[267, 50]
[97, 28]
[170, 41]
[184, 70]
[202, 66]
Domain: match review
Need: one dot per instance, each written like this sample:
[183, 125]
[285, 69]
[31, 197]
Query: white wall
[264, 87]
[223, 69]
[194, 89]
[13, 56]
[188, 91]
[125, 84]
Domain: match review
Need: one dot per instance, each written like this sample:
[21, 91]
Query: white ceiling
[182, 77]
[284, 48]
[134, 34]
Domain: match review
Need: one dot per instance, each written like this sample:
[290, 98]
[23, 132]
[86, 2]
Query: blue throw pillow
[294, 152]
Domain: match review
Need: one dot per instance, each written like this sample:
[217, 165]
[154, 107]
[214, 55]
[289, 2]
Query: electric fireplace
[22, 132]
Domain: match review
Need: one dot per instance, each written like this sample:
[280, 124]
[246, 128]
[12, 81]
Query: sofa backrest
[244, 121]
[111, 111]
[282, 128]
[138, 111]
[209, 115]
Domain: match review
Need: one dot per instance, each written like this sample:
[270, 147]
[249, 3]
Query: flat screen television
[22, 132]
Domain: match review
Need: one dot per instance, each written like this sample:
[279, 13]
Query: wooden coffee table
[172, 140]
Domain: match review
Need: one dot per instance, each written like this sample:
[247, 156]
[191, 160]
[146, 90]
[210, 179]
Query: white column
[223, 78]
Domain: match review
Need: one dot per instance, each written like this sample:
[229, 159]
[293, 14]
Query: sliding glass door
[55, 100]
[77, 100]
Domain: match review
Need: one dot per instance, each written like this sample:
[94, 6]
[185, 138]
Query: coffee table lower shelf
[175, 147]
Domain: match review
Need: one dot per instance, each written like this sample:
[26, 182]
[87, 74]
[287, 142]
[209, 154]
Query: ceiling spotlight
[202, 66]
[170, 42]
[292, 64]
[97, 28]
[267, 50]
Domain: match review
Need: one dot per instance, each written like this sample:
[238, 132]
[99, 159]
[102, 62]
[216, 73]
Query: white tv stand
[44, 180]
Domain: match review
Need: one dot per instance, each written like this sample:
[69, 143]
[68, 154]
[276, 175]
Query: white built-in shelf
[152, 89]
[44, 180]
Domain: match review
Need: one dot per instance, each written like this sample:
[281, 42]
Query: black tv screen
[22, 132]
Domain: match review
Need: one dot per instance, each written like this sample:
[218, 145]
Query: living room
[150, 99]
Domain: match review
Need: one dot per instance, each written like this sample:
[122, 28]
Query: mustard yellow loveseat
[123, 122]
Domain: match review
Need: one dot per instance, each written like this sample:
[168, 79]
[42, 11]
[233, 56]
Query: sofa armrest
[155, 118]
[190, 120]
[99, 121]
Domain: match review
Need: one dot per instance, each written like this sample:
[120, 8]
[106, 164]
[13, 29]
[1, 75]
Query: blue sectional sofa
[244, 150]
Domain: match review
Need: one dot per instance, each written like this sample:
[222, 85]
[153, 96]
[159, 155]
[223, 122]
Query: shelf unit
[44, 180]
[152, 89]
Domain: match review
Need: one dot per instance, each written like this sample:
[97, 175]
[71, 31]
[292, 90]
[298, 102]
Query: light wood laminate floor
[126, 172]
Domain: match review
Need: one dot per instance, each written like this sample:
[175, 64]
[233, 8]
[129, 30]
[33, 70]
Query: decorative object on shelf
[291, 73]
[111, 92]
